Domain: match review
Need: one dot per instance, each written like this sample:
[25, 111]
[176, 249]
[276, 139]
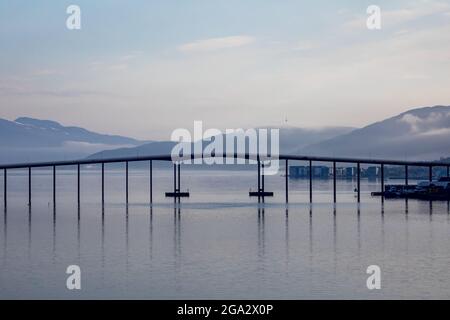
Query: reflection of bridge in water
[177, 193]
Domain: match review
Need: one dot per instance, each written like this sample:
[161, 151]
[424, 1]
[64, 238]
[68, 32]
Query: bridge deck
[236, 156]
[261, 193]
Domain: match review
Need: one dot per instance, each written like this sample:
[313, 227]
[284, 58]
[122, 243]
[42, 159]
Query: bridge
[259, 160]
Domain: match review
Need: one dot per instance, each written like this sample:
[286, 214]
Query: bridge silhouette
[257, 159]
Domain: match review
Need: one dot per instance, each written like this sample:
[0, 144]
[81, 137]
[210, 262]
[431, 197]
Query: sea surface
[218, 243]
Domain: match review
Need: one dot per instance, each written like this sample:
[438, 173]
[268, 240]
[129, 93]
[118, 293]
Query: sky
[145, 68]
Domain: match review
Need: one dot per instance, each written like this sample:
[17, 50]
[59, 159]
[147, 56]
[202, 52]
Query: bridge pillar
[5, 189]
[78, 191]
[103, 184]
[310, 181]
[178, 182]
[126, 182]
[261, 193]
[177, 194]
[29, 186]
[430, 173]
[262, 181]
[54, 186]
[78, 185]
[358, 182]
[286, 181]
[179, 178]
[174, 178]
[334, 181]
[259, 180]
[151, 181]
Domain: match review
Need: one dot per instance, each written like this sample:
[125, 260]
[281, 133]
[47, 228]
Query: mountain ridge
[421, 133]
[26, 139]
[290, 139]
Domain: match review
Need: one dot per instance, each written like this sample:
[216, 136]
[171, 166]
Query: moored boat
[425, 190]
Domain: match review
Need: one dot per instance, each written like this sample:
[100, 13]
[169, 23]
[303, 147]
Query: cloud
[412, 120]
[93, 147]
[46, 72]
[64, 93]
[133, 55]
[116, 63]
[304, 46]
[436, 132]
[214, 44]
[435, 123]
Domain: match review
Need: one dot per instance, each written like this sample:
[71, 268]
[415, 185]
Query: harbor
[423, 190]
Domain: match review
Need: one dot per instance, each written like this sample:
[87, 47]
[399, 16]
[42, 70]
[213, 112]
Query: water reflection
[358, 228]
[103, 236]
[5, 233]
[286, 232]
[330, 235]
[151, 232]
[177, 231]
[310, 245]
[310, 233]
[406, 230]
[261, 229]
[335, 254]
[54, 236]
[29, 232]
[431, 210]
[102, 247]
[127, 240]
[177, 243]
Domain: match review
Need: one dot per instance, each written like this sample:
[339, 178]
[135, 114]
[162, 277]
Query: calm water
[219, 243]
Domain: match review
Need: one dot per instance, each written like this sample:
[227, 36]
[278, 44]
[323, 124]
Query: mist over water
[219, 243]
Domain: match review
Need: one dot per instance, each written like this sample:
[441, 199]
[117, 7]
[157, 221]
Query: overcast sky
[144, 68]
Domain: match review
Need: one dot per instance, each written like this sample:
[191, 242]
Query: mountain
[290, 139]
[148, 149]
[28, 139]
[419, 134]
